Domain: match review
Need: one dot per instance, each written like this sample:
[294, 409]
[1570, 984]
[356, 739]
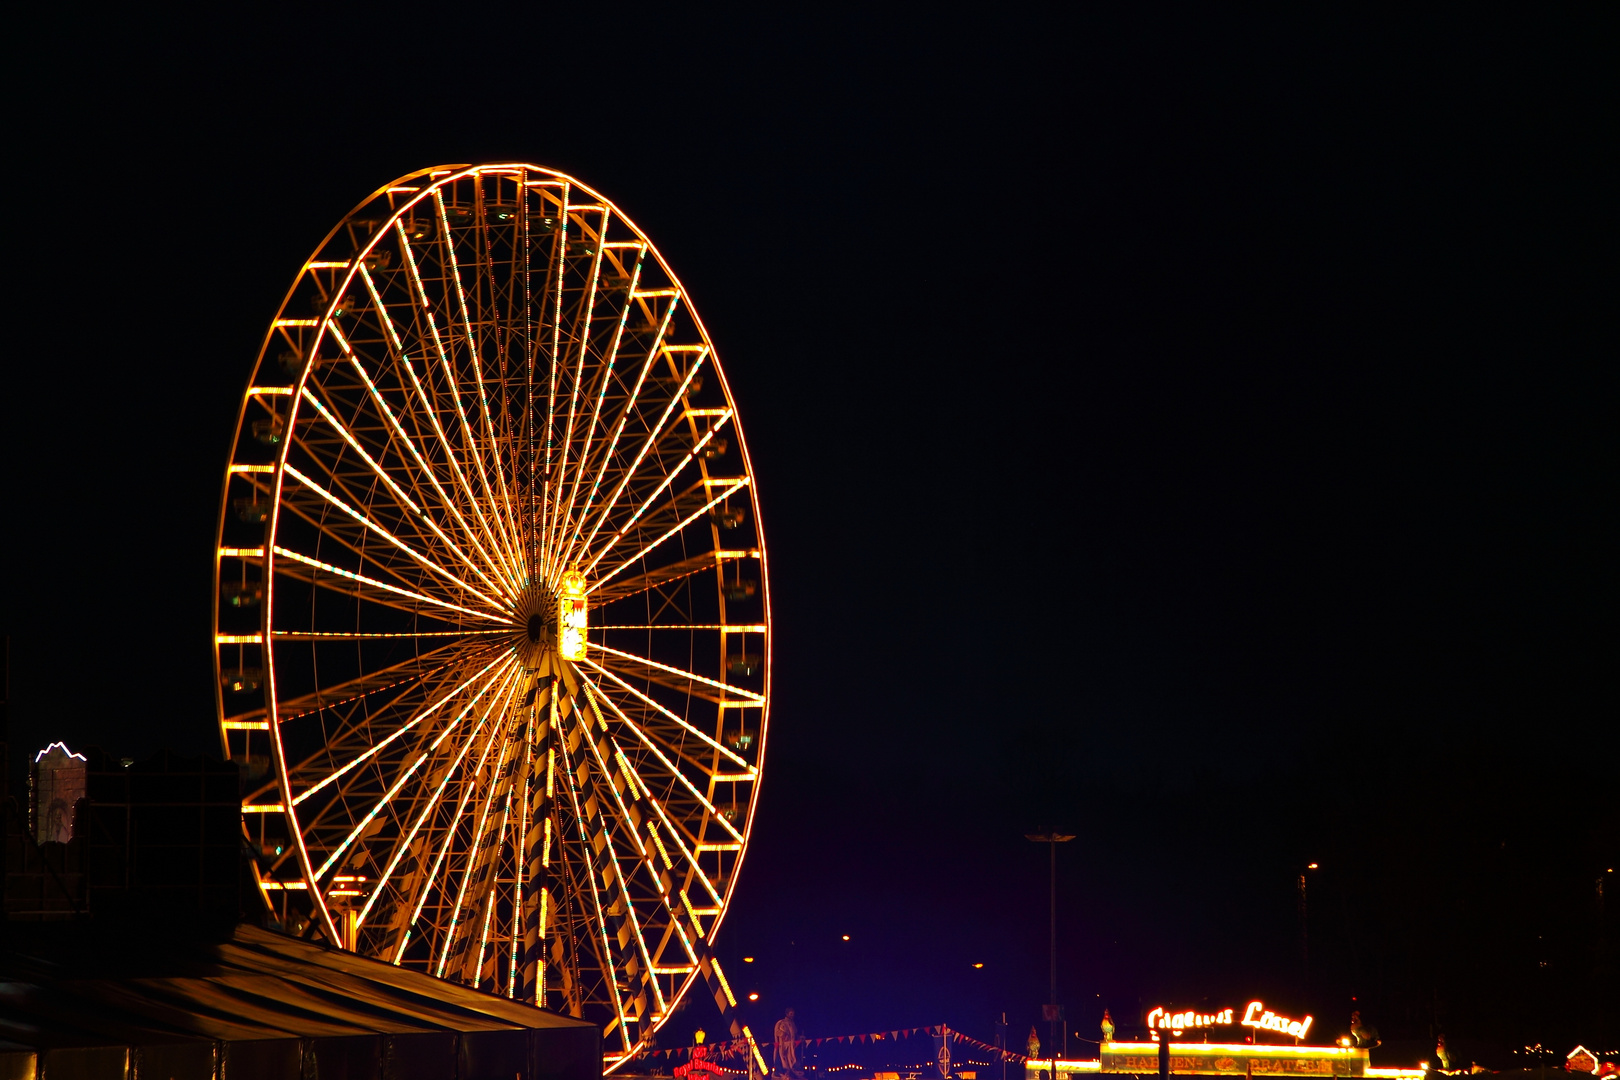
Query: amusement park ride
[493, 623]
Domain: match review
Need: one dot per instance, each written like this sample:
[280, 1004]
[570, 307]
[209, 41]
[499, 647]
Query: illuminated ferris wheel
[493, 631]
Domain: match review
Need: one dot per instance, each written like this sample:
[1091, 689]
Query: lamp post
[1052, 839]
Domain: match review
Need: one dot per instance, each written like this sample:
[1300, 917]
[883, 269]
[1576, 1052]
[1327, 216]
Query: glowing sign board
[571, 617]
[1256, 1016]
[1236, 1059]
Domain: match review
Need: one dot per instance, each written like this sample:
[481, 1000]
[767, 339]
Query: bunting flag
[735, 1048]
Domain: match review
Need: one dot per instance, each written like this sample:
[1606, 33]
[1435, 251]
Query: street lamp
[1052, 840]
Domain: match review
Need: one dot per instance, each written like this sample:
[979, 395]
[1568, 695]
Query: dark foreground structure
[262, 1006]
[139, 950]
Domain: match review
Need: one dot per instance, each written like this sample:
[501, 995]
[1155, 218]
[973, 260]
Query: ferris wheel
[493, 623]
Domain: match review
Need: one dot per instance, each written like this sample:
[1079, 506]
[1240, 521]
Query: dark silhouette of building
[55, 786]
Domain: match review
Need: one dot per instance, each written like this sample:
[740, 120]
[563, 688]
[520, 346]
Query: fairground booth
[1250, 1040]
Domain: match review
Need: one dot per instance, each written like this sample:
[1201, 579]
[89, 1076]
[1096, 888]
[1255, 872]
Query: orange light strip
[669, 479]
[455, 821]
[252, 468]
[498, 605]
[297, 322]
[269, 391]
[635, 392]
[410, 444]
[653, 436]
[592, 875]
[613, 852]
[362, 579]
[555, 532]
[507, 573]
[326, 266]
[480, 838]
[338, 635]
[618, 431]
[669, 826]
[699, 512]
[724, 628]
[679, 775]
[343, 430]
[669, 715]
[241, 553]
[404, 776]
[682, 672]
[407, 726]
[264, 808]
[506, 532]
[238, 639]
[245, 725]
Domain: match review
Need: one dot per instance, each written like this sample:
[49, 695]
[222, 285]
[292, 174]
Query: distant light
[748, 959]
[978, 965]
[846, 937]
[1313, 866]
[754, 996]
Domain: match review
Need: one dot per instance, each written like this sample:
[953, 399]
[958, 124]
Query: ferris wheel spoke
[729, 490]
[680, 673]
[670, 716]
[510, 571]
[603, 778]
[336, 532]
[626, 411]
[669, 478]
[404, 775]
[496, 605]
[355, 689]
[658, 752]
[353, 722]
[606, 381]
[399, 433]
[587, 312]
[417, 515]
[504, 520]
[646, 447]
[504, 661]
[475, 855]
[609, 965]
[361, 579]
[626, 587]
[423, 885]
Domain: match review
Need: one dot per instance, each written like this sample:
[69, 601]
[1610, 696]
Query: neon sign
[1261, 1018]
[1181, 1021]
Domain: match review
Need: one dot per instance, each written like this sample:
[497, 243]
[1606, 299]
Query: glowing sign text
[1181, 1021]
[1261, 1018]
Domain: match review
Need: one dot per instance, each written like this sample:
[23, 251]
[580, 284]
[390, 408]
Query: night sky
[1191, 431]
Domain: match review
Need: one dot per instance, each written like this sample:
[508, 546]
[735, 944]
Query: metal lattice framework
[493, 631]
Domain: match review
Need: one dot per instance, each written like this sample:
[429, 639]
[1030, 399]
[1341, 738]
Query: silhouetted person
[787, 1048]
[1362, 1036]
[1443, 1054]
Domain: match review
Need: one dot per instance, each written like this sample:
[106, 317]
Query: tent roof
[66, 985]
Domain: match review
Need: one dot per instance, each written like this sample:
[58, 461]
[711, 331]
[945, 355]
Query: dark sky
[1192, 430]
